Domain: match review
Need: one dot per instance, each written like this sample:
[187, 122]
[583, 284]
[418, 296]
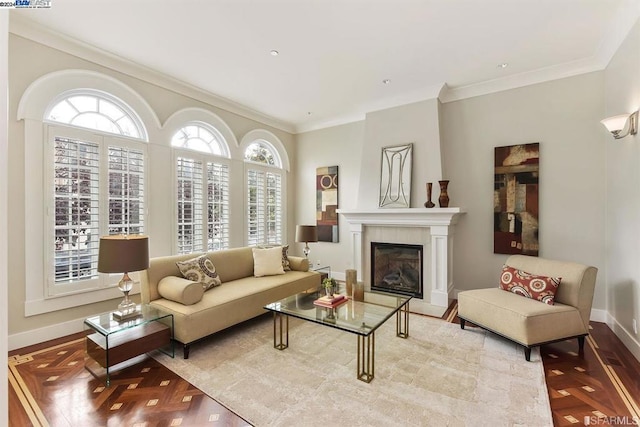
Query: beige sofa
[240, 297]
[530, 322]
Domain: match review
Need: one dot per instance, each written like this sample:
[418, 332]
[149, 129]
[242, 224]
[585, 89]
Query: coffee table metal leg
[278, 332]
[402, 322]
[366, 357]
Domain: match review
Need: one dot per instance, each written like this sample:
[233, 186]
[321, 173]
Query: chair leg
[527, 354]
[462, 322]
[581, 345]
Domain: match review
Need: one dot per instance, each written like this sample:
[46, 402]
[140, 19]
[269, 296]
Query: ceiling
[335, 54]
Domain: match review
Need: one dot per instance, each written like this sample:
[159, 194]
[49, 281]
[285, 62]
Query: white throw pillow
[267, 262]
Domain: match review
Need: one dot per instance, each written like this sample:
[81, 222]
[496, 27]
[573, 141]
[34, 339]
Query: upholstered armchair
[530, 322]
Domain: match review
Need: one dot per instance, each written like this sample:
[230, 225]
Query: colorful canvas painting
[327, 203]
[515, 199]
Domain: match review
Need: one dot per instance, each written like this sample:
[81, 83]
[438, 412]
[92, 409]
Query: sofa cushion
[200, 269]
[180, 290]
[267, 262]
[540, 288]
[286, 265]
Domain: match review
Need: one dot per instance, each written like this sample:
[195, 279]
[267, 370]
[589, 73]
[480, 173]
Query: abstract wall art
[327, 203]
[515, 199]
[395, 176]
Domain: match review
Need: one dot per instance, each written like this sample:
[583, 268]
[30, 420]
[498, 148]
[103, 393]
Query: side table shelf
[113, 345]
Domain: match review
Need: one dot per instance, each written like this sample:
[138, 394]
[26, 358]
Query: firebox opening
[396, 268]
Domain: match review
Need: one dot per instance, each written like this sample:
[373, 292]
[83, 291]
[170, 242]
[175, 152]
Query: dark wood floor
[48, 385]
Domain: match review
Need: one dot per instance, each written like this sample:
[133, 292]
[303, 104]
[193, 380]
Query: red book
[330, 302]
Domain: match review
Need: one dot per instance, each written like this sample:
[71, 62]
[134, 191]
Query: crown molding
[27, 29]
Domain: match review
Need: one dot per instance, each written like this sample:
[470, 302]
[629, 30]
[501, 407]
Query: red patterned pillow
[528, 285]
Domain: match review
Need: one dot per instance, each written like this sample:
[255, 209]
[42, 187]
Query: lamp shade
[306, 233]
[615, 123]
[123, 253]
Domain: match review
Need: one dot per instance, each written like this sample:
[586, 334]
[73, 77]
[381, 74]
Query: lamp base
[128, 315]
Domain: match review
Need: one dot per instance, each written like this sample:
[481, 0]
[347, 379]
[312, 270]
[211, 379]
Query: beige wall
[28, 61]
[4, 79]
[341, 146]
[562, 115]
[622, 95]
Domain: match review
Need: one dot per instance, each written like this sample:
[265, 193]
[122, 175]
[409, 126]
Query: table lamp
[124, 254]
[306, 234]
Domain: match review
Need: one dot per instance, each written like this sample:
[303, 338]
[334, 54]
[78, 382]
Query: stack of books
[330, 301]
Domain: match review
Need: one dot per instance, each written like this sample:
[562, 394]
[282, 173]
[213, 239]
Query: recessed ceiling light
[274, 53]
[503, 65]
[386, 81]
[309, 113]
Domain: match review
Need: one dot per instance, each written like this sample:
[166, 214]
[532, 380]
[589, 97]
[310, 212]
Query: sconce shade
[123, 253]
[617, 124]
[306, 233]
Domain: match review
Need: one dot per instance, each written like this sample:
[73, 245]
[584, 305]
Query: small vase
[429, 203]
[444, 196]
[329, 291]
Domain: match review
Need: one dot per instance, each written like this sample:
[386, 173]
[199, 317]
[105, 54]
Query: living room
[588, 198]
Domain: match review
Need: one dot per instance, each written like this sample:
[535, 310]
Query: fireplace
[396, 268]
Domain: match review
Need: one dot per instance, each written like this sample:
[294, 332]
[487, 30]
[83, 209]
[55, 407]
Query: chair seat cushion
[523, 320]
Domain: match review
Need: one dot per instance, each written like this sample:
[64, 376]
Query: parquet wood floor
[50, 387]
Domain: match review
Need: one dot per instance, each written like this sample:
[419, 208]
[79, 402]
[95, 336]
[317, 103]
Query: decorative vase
[358, 291]
[351, 278]
[429, 203]
[329, 291]
[444, 196]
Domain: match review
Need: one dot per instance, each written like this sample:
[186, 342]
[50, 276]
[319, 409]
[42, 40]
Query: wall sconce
[617, 124]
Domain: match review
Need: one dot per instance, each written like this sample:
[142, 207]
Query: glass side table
[325, 271]
[112, 345]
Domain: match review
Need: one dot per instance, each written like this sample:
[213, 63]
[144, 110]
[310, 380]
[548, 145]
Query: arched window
[202, 205]
[200, 137]
[87, 168]
[98, 111]
[264, 178]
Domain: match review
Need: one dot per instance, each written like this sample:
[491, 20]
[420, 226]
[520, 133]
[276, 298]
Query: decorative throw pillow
[528, 285]
[267, 262]
[200, 269]
[286, 266]
[180, 290]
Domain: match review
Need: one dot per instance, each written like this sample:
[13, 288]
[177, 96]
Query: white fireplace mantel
[441, 223]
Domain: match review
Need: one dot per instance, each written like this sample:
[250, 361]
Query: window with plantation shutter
[95, 172]
[264, 195]
[217, 206]
[202, 175]
[189, 205]
[126, 191]
[76, 225]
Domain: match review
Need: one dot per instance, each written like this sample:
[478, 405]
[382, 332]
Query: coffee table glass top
[358, 317]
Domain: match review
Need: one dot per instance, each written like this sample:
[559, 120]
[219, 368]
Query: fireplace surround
[435, 228]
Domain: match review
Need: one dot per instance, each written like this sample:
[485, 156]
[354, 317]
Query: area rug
[439, 376]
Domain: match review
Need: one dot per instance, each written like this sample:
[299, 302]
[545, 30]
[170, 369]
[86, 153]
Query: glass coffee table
[361, 318]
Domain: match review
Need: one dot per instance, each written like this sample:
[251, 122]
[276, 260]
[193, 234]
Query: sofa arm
[298, 263]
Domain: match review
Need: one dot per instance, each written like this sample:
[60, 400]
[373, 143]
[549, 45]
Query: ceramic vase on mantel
[444, 195]
[429, 203]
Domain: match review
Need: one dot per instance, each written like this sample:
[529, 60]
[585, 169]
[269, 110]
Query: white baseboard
[627, 339]
[36, 336]
[598, 315]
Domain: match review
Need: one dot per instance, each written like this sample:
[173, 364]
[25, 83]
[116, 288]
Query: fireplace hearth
[396, 268]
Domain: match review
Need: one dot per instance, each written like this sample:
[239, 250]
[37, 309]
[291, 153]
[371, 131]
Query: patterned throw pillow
[201, 270]
[528, 285]
[286, 266]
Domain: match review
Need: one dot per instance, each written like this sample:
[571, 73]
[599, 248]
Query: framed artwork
[395, 176]
[515, 199]
[327, 203]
